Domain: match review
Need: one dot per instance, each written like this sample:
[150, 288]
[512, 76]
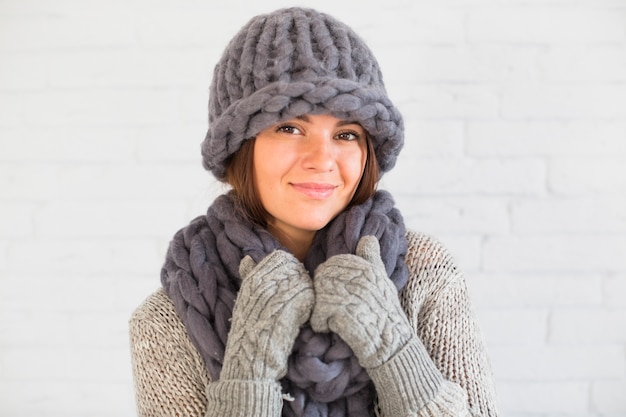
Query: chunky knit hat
[290, 63]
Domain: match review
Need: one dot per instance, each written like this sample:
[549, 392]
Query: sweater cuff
[410, 384]
[239, 398]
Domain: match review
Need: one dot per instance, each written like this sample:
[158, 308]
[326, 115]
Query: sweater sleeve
[168, 371]
[170, 376]
[449, 352]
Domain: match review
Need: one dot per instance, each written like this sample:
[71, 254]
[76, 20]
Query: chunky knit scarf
[201, 277]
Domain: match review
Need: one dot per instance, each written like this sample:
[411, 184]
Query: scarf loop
[201, 276]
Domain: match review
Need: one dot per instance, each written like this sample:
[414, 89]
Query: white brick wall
[516, 139]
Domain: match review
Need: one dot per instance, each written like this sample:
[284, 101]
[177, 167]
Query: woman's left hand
[355, 298]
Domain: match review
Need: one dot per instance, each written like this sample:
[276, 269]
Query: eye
[289, 129]
[348, 135]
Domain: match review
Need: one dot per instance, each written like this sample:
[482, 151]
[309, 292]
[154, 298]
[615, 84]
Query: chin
[317, 224]
[314, 226]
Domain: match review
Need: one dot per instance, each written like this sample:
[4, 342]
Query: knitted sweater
[170, 377]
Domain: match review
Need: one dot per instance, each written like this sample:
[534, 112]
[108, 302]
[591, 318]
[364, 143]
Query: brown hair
[240, 176]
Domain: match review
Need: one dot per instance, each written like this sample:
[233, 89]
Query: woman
[300, 293]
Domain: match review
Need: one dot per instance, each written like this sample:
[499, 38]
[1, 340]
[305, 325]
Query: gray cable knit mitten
[275, 299]
[355, 299]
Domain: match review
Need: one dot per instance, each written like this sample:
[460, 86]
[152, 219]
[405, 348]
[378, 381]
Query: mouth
[316, 191]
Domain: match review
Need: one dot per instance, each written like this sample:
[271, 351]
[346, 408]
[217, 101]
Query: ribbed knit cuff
[408, 381]
[238, 398]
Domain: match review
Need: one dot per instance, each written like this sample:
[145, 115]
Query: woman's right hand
[356, 299]
[275, 299]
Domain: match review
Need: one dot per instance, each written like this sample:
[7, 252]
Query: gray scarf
[201, 276]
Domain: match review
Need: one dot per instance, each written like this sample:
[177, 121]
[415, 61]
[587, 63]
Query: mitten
[356, 299]
[275, 299]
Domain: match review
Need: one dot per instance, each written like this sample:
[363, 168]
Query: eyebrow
[306, 119]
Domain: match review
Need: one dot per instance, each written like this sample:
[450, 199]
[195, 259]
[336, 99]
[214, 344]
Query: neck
[298, 242]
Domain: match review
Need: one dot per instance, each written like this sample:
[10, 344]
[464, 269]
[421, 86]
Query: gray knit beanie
[290, 63]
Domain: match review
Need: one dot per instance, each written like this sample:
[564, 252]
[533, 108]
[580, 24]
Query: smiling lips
[315, 191]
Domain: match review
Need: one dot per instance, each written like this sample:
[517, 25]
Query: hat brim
[280, 101]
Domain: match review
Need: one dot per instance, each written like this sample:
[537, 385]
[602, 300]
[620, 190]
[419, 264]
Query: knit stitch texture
[274, 301]
[452, 367]
[290, 63]
[202, 278]
[355, 299]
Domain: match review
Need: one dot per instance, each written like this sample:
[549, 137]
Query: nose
[319, 154]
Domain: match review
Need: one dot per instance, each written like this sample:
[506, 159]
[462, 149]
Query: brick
[615, 288]
[20, 71]
[516, 327]
[588, 176]
[4, 247]
[171, 144]
[100, 330]
[78, 363]
[413, 23]
[37, 7]
[65, 144]
[537, 397]
[455, 215]
[115, 219]
[37, 32]
[465, 249]
[433, 139]
[582, 63]
[608, 397]
[133, 181]
[126, 255]
[191, 27]
[131, 293]
[16, 219]
[572, 215]
[604, 3]
[459, 63]
[546, 101]
[446, 101]
[588, 326]
[546, 138]
[465, 176]
[545, 25]
[105, 107]
[26, 182]
[12, 109]
[487, 4]
[35, 182]
[66, 398]
[204, 196]
[32, 329]
[129, 68]
[566, 253]
[557, 363]
[194, 105]
[536, 290]
[100, 292]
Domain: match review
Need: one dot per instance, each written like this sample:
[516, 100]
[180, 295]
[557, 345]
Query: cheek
[270, 163]
[270, 155]
[260, 167]
[354, 166]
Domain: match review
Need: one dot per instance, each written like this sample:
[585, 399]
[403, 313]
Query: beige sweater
[170, 377]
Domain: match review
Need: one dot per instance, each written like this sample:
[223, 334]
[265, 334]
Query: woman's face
[306, 171]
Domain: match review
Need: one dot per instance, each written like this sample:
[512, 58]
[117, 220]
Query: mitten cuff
[410, 384]
[238, 398]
